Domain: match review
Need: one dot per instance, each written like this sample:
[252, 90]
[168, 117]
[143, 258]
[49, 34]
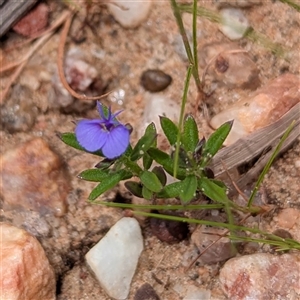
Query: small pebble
[223, 248]
[156, 106]
[194, 292]
[34, 22]
[24, 268]
[79, 73]
[167, 231]
[288, 217]
[155, 80]
[261, 276]
[34, 177]
[266, 106]
[233, 23]
[19, 113]
[114, 259]
[228, 65]
[146, 292]
[130, 14]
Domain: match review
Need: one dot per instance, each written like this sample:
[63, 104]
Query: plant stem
[195, 50]
[183, 102]
[160, 207]
[177, 15]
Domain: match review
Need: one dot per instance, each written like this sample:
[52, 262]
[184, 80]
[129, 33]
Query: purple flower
[106, 133]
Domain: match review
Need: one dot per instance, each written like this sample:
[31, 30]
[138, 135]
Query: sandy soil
[120, 56]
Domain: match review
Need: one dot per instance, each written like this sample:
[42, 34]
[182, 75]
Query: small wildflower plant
[187, 162]
[108, 138]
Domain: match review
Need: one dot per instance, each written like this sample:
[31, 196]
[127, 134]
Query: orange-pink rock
[33, 177]
[25, 272]
[34, 22]
[266, 106]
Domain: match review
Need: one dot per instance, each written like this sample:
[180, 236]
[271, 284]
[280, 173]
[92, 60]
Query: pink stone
[288, 217]
[265, 107]
[25, 272]
[33, 177]
[261, 276]
[34, 22]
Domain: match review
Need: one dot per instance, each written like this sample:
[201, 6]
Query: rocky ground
[36, 165]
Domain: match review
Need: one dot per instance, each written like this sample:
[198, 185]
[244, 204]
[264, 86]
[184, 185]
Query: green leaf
[190, 134]
[147, 194]
[147, 161]
[94, 175]
[213, 191]
[189, 187]
[70, 139]
[215, 142]
[134, 188]
[161, 175]
[171, 190]
[166, 161]
[150, 181]
[170, 129]
[144, 143]
[108, 183]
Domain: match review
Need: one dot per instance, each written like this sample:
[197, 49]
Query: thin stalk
[183, 102]
[195, 43]
[160, 207]
[177, 15]
[269, 163]
[292, 244]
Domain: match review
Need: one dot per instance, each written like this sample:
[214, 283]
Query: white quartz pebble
[130, 14]
[156, 106]
[233, 23]
[114, 259]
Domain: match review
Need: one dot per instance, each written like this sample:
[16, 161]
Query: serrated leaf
[161, 175]
[188, 190]
[190, 134]
[147, 194]
[213, 191]
[134, 188]
[144, 143]
[147, 161]
[93, 175]
[171, 190]
[170, 129]
[166, 161]
[69, 139]
[215, 142]
[150, 181]
[108, 183]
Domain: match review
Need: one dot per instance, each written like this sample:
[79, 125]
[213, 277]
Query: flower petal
[90, 134]
[117, 142]
[101, 112]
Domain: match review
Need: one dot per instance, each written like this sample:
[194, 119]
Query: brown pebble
[167, 231]
[34, 22]
[33, 177]
[228, 65]
[19, 113]
[155, 80]
[146, 292]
